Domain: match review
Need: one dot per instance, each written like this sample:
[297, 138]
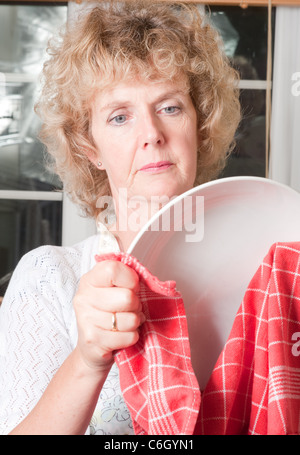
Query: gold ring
[114, 327]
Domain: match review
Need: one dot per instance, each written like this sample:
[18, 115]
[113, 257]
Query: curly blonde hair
[115, 41]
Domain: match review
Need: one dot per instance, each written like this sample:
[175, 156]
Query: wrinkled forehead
[131, 90]
[122, 69]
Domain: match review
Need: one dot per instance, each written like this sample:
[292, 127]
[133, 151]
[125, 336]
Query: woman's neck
[130, 219]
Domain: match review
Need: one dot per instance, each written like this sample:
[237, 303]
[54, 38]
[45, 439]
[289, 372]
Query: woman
[138, 101]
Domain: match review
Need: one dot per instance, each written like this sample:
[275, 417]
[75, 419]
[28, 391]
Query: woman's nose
[151, 132]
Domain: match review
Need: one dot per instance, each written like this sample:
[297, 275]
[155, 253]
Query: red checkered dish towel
[255, 385]
[156, 374]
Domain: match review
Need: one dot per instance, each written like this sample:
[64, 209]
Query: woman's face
[146, 137]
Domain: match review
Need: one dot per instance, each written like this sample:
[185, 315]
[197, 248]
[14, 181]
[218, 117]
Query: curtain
[285, 123]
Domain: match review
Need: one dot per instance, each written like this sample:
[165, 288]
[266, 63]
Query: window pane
[245, 36]
[22, 164]
[25, 225]
[244, 32]
[248, 157]
[24, 34]
[25, 31]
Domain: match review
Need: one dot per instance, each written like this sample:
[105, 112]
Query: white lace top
[38, 331]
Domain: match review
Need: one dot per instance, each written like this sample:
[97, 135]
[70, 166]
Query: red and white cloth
[255, 385]
[156, 375]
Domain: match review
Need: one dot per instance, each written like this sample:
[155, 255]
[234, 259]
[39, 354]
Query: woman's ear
[95, 159]
[100, 165]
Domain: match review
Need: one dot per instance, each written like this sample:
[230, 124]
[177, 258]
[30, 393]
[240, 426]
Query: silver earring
[99, 164]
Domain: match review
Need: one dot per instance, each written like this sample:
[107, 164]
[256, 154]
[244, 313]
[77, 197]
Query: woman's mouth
[156, 167]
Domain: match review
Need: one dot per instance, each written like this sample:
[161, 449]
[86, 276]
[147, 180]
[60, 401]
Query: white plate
[243, 217]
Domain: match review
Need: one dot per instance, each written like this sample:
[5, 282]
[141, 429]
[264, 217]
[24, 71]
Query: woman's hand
[107, 294]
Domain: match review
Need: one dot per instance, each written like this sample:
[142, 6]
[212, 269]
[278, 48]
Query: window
[30, 211]
[245, 36]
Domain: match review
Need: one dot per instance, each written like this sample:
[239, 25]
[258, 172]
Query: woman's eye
[171, 109]
[118, 119]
